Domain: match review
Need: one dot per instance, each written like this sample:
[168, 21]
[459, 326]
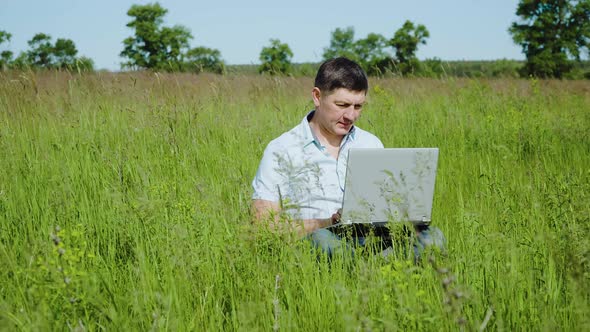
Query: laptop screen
[392, 184]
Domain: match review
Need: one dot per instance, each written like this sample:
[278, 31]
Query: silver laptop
[389, 185]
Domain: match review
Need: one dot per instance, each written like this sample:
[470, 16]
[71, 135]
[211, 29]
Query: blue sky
[459, 29]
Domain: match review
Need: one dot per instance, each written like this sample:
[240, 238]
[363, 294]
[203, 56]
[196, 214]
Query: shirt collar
[310, 137]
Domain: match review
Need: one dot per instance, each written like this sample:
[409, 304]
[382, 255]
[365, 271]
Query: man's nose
[351, 113]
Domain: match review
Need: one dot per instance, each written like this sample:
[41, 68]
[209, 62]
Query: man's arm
[268, 211]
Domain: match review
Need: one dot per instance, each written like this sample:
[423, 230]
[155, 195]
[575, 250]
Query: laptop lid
[392, 184]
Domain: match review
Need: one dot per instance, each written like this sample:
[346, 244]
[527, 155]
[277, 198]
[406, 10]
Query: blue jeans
[331, 244]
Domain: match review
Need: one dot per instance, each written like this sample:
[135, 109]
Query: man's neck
[331, 143]
[325, 138]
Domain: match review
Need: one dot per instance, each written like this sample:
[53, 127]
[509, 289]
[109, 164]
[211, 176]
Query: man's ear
[316, 94]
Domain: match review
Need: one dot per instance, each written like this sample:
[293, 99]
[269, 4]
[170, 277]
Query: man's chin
[341, 130]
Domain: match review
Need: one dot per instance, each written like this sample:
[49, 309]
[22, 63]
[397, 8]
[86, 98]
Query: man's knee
[429, 237]
[327, 242]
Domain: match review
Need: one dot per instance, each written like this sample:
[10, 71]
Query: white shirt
[298, 172]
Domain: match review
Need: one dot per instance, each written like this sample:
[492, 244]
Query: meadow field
[124, 205]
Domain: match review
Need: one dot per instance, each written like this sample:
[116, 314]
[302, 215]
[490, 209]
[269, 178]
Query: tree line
[45, 54]
[553, 34]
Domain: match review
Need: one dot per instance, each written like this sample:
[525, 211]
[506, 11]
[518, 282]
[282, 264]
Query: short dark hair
[341, 73]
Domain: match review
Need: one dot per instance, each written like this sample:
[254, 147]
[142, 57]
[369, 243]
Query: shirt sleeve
[378, 143]
[267, 180]
[372, 141]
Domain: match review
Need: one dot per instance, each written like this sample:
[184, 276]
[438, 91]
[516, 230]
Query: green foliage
[306, 69]
[551, 33]
[41, 50]
[43, 54]
[64, 53]
[432, 68]
[175, 41]
[5, 58]
[21, 62]
[84, 64]
[200, 59]
[158, 47]
[371, 52]
[4, 36]
[6, 55]
[368, 52]
[276, 58]
[341, 44]
[63, 268]
[436, 68]
[475, 69]
[405, 42]
[154, 46]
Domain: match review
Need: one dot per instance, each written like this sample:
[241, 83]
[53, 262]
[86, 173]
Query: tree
[371, 54]
[84, 64]
[4, 36]
[405, 42]
[6, 55]
[551, 33]
[201, 59]
[44, 54]
[21, 61]
[64, 54]
[368, 52]
[41, 50]
[341, 44]
[174, 44]
[276, 58]
[154, 46]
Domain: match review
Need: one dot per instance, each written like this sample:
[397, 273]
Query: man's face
[337, 111]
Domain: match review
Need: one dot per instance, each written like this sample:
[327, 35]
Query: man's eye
[358, 107]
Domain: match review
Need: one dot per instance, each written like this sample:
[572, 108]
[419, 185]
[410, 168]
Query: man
[302, 172]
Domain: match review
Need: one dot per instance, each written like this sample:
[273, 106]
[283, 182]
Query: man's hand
[264, 209]
[270, 211]
[336, 217]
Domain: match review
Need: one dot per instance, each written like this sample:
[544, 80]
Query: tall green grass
[124, 204]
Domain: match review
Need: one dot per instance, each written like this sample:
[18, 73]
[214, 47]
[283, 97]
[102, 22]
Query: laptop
[389, 185]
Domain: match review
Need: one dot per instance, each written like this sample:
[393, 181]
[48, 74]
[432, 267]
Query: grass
[124, 204]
